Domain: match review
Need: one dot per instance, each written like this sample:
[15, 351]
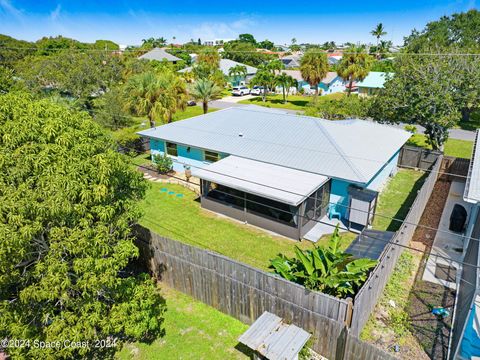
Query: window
[172, 149]
[211, 156]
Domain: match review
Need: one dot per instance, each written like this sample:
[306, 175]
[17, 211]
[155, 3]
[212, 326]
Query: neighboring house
[291, 61]
[334, 59]
[465, 337]
[226, 65]
[374, 81]
[332, 83]
[159, 55]
[280, 171]
[216, 42]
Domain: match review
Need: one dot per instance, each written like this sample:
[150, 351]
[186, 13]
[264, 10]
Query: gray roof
[271, 181]
[275, 339]
[331, 75]
[158, 54]
[226, 65]
[353, 150]
[472, 186]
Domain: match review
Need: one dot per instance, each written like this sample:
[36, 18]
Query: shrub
[411, 129]
[129, 139]
[163, 163]
[340, 109]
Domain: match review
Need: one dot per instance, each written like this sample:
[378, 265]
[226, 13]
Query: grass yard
[184, 220]
[397, 197]
[294, 102]
[193, 330]
[190, 111]
[453, 147]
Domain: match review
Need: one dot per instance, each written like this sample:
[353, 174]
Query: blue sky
[128, 22]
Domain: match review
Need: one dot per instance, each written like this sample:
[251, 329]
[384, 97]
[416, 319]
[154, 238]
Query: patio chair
[333, 212]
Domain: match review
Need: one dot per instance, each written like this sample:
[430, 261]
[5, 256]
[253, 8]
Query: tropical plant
[354, 66]
[158, 96]
[205, 90]
[68, 201]
[327, 269]
[237, 71]
[163, 163]
[154, 42]
[378, 32]
[314, 67]
[209, 57]
[286, 82]
[264, 78]
[110, 110]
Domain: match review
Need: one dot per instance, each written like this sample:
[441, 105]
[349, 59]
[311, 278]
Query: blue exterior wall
[377, 182]
[193, 156]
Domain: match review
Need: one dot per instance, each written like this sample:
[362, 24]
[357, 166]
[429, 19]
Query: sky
[128, 22]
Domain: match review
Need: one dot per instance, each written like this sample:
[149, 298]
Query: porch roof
[274, 182]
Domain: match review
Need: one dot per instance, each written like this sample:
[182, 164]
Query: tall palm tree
[314, 67]
[264, 78]
[237, 71]
[286, 82]
[378, 32]
[205, 90]
[210, 57]
[158, 96]
[354, 66]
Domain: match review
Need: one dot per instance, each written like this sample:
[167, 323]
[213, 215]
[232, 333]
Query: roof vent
[240, 134]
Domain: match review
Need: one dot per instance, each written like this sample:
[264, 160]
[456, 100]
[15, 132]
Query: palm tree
[209, 57]
[378, 32]
[354, 66]
[237, 71]
[286, 82]
[264, 78]
[158, 96]
[314, 67]
[205, 90]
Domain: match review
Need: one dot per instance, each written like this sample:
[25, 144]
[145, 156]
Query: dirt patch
[431, 332]
[153, 172]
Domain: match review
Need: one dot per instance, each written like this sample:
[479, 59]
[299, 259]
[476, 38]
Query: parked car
[191, 103]
[257, 90]
[240, 91]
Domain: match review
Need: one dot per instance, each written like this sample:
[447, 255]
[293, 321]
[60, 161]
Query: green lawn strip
[396, 199]
[193, 330]
[294, 102]
[183, 219]
[189, 112]
[453, 147]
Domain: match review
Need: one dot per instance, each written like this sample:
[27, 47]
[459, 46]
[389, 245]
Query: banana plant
[327, 269]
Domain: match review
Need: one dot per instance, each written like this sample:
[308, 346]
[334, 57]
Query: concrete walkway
[447, 243]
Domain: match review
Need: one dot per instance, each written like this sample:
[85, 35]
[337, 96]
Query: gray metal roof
[226, 65]
[354, 150]
[158, 54]
[274, 339]
[271, 181]
[472, 186]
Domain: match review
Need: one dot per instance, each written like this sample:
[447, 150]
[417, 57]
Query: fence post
[349, 312]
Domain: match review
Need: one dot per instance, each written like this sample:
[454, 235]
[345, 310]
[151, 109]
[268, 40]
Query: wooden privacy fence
[366, 299]
[245, 293]
[417, 157]
[455, 168]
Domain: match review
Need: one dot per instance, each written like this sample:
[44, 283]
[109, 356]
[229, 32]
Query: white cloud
[216, 30]
[54, 15]
[7, 8]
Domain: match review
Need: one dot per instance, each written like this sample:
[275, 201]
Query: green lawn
[190, 111]
[453, 147]
[294, 102]
[184, 220]
[397, 197]
[193, 330]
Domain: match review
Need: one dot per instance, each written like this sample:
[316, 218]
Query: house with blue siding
[331, 83]
[283, 172]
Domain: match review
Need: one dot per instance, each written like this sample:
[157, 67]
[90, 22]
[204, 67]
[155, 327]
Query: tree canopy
[67, 203]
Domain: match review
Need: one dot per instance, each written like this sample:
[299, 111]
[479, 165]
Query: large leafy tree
[209, 57]
[327, 269]
[13, 50]
[110, 111]
[79, 75]
[244, 52]
[155, 95]
[67, 203]
[205, 90]
[354, 66]
[422, 91]
[461, 30]
[314, 67]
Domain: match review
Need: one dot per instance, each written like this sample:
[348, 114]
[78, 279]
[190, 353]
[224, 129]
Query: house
[465, 337]
[291, 61]
[372, 83]
[216, 42]
[159, 55]
[332, 83]
[226, 65]
[279, 171]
